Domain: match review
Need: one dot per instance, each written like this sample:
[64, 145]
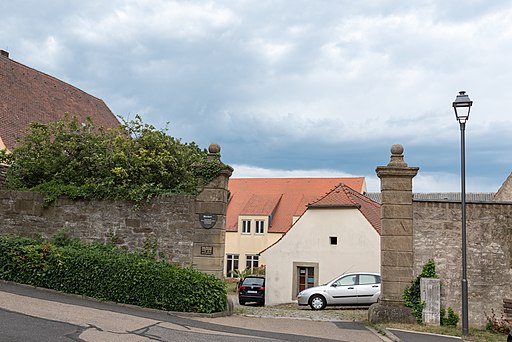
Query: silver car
[362, 288]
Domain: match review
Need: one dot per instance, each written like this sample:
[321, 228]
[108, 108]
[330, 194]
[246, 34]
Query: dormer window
[260, 227]
[246, 226]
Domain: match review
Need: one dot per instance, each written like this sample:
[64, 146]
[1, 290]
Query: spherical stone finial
[214, 148]
[397, 157]
[397, 149]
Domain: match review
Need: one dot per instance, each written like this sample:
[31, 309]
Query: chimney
[4, 53]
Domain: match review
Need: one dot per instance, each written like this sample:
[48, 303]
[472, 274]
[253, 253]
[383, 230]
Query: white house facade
[335, 235]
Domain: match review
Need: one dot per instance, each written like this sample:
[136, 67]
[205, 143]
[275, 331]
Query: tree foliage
[134, 162]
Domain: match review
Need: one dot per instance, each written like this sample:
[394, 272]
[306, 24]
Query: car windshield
[253, 281]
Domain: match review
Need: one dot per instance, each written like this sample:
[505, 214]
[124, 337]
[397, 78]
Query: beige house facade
[339, 233]
[243, 248]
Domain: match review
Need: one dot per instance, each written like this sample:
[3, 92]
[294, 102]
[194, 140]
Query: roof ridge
[52, 77]
[361, 197]
[321, 197]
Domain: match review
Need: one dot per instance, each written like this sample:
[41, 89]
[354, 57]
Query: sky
[293, 88]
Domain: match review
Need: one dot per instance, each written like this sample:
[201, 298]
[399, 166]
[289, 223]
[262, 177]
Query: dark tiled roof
[28, 95]
[343, 196]
[442, 196]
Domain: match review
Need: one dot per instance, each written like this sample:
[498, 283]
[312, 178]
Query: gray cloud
[289, 85]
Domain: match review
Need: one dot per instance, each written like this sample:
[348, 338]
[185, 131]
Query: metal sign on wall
[206, 250]
[207, 220]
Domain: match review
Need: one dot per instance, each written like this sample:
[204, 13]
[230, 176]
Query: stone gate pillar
[210, 227]
[396, 241]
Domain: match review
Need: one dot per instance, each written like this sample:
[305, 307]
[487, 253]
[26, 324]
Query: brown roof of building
[28, 95]
[279, 198]
[344, 197]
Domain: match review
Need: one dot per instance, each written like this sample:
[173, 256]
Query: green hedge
[108, 273]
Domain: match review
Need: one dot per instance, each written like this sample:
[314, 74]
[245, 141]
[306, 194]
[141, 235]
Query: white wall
[358, 249]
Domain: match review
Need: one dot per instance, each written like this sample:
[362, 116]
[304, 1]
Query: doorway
[305, 275]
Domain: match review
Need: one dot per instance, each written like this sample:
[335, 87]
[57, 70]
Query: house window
[260, 227]
[334, 240]
[231, 264]
[252, 262]
[246, 226]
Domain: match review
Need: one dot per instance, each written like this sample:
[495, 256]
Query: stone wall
[172, 222]
[437, 235]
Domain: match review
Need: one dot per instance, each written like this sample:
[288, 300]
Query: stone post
[431, 295]
[396, 241]
[210, 227]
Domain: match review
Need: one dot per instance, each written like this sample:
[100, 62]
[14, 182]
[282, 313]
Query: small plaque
[206, 250]
[207, 220]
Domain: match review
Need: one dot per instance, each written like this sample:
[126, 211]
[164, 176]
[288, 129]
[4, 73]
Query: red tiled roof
[257, 196]
[343, 196]
[28, 95]
[306, 199]
[261, 204]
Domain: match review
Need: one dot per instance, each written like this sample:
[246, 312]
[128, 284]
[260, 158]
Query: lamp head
[462, 106]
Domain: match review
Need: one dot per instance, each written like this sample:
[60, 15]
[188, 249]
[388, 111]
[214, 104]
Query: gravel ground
[293, 310]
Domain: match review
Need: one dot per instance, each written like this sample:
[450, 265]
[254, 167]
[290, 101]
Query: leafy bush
[134, 162]
[412, 294]
[109, 273]
[451, 320]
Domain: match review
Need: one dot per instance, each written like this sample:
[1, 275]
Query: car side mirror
[334, 285]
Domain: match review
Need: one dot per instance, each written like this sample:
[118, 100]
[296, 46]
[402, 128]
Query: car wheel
[242, 302]
[317, 302]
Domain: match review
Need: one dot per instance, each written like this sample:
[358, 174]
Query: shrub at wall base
[111, 274]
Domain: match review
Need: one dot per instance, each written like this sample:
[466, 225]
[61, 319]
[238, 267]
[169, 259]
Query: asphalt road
[29, 314]
[15, 327]
[409, 336]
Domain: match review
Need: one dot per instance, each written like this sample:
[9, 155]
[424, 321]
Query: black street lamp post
[462, 106]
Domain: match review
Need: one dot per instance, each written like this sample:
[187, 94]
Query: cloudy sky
[292, 87]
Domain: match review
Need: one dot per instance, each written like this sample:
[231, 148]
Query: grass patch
[230, 286]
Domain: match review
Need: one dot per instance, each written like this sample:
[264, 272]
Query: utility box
[431, 295]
